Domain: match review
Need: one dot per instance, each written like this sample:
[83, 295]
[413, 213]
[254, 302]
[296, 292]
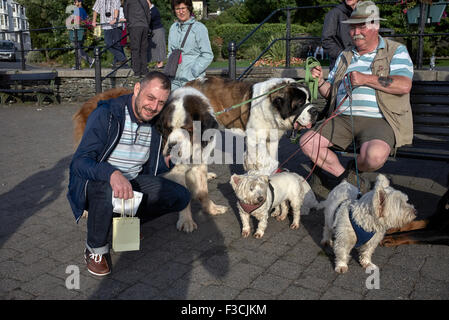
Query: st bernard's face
[183, 121]
[293, 102]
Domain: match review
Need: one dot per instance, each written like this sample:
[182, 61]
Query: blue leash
[348, 88]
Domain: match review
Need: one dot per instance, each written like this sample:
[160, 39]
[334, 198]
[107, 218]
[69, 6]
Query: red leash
[334, 114]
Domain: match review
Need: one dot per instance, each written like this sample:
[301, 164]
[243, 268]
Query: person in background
[122, 25]
[138, 19]
[335, 35]
[319, 51]
[80, 18]
[157, 49]
[109, 16]
[197, 52]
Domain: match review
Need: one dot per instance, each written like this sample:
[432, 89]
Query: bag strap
[185, 37]
[123, 208]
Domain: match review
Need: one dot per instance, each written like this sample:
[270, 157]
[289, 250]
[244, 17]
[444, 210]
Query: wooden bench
[15, 86]
[430, 107]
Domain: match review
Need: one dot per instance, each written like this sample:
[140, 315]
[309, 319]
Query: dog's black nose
[260, 199]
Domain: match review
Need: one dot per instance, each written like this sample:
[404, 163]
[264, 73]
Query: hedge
[221, 35]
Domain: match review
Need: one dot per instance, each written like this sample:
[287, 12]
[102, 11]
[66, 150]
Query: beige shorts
[339, 131]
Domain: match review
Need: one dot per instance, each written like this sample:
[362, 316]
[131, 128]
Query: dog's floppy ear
[208, 121]
[162, 122]
[235, 180]
[380, 195]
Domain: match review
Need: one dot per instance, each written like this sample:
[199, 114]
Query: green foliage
[236, 32]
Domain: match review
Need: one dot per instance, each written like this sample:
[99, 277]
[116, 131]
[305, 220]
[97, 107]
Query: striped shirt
[364, 102]
[103, 6]
[133, 149]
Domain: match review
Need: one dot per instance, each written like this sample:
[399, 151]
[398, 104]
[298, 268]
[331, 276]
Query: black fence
[233, 47]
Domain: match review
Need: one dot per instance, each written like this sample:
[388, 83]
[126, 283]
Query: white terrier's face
[250, 189]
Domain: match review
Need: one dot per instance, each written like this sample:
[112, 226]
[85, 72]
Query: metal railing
[233, 47]
[98, 50]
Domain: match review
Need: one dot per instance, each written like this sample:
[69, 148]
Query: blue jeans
[160, 196]
[112, 40]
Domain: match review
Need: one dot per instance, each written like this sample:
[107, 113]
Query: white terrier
[259, 194]
[344, 191]
[362, 223]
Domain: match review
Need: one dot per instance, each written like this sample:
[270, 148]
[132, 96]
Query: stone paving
[41, 246]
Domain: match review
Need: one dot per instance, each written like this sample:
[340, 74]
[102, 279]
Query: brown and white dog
[263, 120]
[186, 110]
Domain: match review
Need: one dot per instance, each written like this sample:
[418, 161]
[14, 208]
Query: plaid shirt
[103, 6]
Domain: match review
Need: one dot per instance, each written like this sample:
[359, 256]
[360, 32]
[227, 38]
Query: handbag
[175, 58]
[126, 231]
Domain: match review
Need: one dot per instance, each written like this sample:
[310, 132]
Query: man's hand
[121, 186]
[358, 78]
[317, 72]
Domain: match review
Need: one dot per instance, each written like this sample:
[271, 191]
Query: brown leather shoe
[96, 263]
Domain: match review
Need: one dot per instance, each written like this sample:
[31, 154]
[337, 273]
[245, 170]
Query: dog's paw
[365, 263]
[215, 209]
[327, 242]
[294, 226]
[211, 176]
[245, 233]
[341, 268]
[258, 234]
[276, 213]
[388, 241]
[186, 225]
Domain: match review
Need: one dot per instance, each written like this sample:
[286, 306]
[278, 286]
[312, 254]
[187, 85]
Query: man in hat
[368, 91]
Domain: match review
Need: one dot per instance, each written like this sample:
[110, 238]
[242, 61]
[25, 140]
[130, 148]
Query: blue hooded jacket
[102, 133]
[196, 54]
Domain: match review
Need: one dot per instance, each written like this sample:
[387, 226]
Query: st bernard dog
[187, 109]
[265, 119]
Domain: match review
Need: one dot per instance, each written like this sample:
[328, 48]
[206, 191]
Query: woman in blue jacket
[197, 53]
[120, 152]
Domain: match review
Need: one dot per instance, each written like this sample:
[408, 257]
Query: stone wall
[79, 85]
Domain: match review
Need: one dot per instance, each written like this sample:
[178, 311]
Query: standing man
[380, 72]
[121, 151]
[109, 17]
[335, 35]
[138, 18]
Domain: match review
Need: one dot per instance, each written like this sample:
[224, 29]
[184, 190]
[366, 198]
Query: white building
[12, 20]
[200, 8]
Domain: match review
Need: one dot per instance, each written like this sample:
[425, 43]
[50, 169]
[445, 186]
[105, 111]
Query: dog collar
[363, 236]
[248, 208]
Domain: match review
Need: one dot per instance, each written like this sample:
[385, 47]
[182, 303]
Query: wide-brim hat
[365, 11]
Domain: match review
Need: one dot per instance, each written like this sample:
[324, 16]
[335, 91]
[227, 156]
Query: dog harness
[248, 208]
[363, 236]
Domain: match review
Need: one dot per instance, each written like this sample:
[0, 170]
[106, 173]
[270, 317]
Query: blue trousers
[112, 40]
[160, 196]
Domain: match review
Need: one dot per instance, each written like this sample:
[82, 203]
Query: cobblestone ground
[41, 246]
